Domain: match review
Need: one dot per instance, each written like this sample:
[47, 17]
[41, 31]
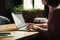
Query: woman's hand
[41, 26]
[37, 27]
[30, 27]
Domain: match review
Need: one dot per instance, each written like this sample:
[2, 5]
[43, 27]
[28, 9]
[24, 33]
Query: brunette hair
[53, 2]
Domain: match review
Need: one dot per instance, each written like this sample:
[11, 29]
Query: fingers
[37, 27]
[42, 25]
[32, 27]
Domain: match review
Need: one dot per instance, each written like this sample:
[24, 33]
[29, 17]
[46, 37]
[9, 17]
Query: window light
[27, 4]
[38, 4]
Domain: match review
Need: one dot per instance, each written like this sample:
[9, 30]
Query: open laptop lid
[19, 20]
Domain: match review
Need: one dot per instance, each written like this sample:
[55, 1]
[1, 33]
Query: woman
[54, 20]
[53, 32]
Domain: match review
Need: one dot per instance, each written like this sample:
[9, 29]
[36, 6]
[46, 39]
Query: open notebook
[19, 21]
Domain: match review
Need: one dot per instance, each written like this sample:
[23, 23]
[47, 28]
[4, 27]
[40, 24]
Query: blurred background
[29, 8]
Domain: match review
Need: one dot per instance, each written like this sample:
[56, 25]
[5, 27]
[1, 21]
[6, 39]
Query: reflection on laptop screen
[19, 20]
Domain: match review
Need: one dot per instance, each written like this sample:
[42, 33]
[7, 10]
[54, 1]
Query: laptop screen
[18, 19]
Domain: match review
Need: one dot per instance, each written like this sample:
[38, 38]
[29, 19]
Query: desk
[7, 27]
[22, 34]
[16, 34]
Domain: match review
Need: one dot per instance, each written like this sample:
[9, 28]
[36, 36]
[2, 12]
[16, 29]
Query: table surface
[8, 27]
[16, 34]
[20, 34]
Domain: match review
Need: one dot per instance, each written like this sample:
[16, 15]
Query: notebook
[19, 21]
[6, 35]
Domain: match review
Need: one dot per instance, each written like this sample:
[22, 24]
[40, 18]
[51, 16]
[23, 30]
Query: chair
[4, 20]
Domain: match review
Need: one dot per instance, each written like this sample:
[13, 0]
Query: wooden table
[16, 34]
[19, 35]
[23, 34]
[7, 27]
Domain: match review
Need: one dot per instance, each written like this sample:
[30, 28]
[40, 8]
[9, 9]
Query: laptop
[19, 21]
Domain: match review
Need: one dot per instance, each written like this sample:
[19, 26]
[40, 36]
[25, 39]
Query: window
[28, 4]
[38, 5]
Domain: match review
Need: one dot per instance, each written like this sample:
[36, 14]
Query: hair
[53, 2]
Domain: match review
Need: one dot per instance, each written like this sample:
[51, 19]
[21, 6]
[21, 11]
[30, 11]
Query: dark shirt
[53, 32]
[54, 25]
